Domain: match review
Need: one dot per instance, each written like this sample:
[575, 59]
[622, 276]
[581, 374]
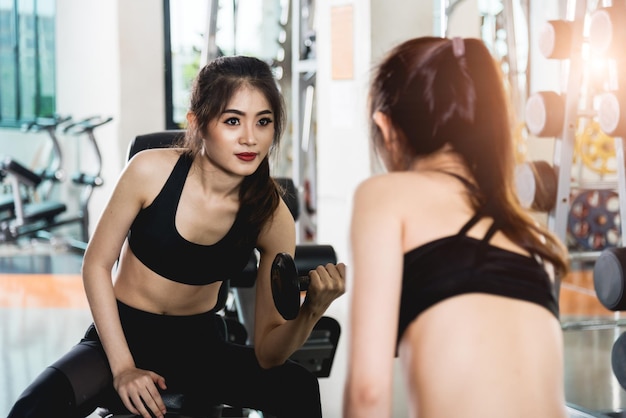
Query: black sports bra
[155, 241]
[459, 264]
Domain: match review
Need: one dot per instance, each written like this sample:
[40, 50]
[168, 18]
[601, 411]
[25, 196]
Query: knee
[303, 384]
[308, 380]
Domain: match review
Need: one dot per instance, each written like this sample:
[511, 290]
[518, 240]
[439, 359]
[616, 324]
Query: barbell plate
[593, 220]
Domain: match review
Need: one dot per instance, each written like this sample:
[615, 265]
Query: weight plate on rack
[594, 222]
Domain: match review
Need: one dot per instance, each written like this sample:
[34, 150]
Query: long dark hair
[437, 93]
[213, 87]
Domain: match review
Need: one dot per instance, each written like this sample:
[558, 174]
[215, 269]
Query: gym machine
[30, 203]
[29, 214]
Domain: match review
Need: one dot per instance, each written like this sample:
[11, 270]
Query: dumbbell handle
[288, 281]
[303, 282]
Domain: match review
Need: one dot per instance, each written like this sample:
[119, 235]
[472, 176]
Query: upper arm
[277, 236]
[376, 252]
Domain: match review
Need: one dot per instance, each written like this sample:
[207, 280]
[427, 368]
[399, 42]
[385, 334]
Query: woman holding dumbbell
[442, 249]
[182, 221]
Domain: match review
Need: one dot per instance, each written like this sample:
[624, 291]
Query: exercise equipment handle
[45, 123]
[87, 124]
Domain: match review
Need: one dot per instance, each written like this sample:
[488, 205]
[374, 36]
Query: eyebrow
[239, 112]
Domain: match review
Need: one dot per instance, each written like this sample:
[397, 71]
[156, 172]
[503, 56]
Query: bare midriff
[139, 287]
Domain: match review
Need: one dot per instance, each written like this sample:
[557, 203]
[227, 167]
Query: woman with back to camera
[450, 273]
[195, 214]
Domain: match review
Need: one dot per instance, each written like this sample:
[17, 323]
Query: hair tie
[458, 46]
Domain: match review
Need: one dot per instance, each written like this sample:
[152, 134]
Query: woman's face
[240, 138]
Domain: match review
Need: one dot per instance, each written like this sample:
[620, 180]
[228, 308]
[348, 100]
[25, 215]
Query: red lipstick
[246, 156]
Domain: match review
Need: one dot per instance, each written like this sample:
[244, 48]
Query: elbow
[365, 396]
[268, 361]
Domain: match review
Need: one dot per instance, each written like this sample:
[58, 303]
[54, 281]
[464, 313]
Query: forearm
[103, 306]
[283, 340]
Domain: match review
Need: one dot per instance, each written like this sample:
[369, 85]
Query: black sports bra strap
[469, 224]
[490, 232]
[484, 243]
[472, 187]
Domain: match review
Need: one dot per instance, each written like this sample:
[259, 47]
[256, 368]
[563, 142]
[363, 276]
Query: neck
[444, 159]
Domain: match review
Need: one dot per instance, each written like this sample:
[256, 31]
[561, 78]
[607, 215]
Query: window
[27, 60]
[248, 27]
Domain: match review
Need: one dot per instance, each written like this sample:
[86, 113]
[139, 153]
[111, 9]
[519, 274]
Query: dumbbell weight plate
[536, 183]
[618, 360]
[286, 286]
[608, 278]
[290, 277]
[610, 116]
[606, 29]
[525, 184]
[545, 113]
[555, 39]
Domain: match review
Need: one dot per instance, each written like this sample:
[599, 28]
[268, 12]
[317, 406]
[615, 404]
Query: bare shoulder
[374, 186]
[148, 170]
[388, 188]
[155, 159]
[424, 205]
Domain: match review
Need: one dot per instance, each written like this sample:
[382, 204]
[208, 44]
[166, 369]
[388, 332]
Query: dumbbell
[545, 114]
[618, 360]
[290, 275]
[609, 282]
[609, 278]
[536, 183]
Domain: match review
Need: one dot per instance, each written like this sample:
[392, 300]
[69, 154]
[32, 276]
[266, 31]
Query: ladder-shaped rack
[552, 114]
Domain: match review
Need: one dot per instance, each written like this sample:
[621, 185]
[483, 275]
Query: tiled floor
[43, 312]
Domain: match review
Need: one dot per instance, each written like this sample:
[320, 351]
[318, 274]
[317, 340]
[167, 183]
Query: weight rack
[557, 114]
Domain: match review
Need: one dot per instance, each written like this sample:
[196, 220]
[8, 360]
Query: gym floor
[43, 312]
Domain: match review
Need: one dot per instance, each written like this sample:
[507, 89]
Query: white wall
[110, 63]
[343, 160]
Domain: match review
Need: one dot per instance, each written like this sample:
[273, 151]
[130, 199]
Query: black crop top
[154, 240]
[459, 264]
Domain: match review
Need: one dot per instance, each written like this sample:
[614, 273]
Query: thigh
[284, 391]
[87, 369]
[71, 386]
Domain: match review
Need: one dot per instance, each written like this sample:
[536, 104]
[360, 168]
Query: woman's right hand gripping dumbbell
[320, 276]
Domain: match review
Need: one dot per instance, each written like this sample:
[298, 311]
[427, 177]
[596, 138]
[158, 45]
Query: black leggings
[190, 352]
